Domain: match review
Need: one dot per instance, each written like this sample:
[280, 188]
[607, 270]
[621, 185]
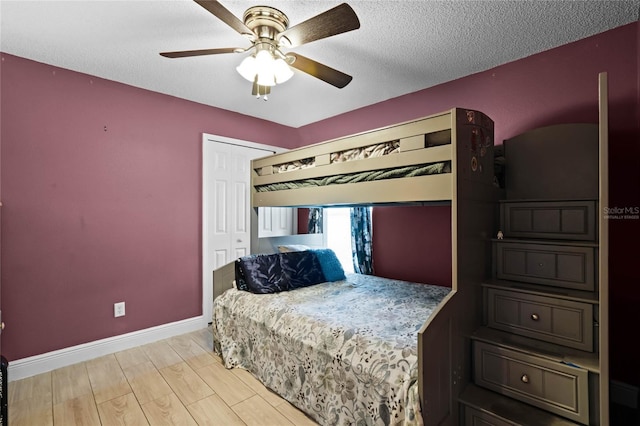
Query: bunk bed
[445, 158]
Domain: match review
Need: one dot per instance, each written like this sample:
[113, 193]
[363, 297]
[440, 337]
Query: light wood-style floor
[177, 381]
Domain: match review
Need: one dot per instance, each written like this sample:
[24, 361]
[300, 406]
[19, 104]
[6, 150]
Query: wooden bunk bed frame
[462, 137]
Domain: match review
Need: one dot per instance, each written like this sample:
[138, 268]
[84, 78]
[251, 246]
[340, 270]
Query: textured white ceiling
[401, 46]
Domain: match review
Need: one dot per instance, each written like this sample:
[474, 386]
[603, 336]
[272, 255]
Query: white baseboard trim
[30, 366]
[623, 394]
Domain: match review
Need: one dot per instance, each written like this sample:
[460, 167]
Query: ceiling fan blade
[222, 13]
[318, 70]
[187, 53]
[334, 21]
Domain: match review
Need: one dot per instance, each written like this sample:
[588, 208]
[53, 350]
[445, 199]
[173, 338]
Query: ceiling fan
[268, 30]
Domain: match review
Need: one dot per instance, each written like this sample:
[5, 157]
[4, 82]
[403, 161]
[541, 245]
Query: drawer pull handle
[524, 378]
[535, 317]
[541, 265]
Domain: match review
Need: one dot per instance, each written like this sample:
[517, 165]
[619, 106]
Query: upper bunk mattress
[343, 352]
[418, 161]
[366, 176]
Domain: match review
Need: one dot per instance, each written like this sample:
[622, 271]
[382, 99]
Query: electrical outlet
[118, 309]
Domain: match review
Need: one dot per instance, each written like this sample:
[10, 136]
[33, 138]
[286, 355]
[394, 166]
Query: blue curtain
[314, 225]
[361, 244]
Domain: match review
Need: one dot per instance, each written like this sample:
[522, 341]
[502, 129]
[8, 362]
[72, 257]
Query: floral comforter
[344, 352]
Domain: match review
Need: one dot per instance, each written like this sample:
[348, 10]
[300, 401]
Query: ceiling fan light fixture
[282, 71]
[266, 79]
[265, 68]
[247, 68]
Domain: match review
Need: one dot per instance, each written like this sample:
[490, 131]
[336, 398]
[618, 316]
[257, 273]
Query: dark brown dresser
[536, 357]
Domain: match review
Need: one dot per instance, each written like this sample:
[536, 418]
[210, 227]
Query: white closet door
[226, 206]
[239, 203]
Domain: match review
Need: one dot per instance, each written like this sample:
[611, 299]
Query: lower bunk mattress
[343, 352]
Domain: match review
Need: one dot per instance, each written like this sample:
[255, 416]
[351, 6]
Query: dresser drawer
[548, 385]
[556, 220]
[473, 417]
[566, 266]
[564, 322]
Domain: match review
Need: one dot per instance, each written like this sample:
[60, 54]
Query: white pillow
[292, 247]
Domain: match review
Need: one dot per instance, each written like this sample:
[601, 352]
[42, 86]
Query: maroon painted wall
[101, 191]
[408, 247]
[553, 87]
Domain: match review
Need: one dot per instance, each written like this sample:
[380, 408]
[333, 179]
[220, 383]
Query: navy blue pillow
[301, 269]
[331, 266]
[241, 283]
[261, 274]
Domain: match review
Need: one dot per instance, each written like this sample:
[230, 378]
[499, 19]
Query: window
[337, 223]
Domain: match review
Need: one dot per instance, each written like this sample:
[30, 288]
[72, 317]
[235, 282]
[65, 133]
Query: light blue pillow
[331, 267]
